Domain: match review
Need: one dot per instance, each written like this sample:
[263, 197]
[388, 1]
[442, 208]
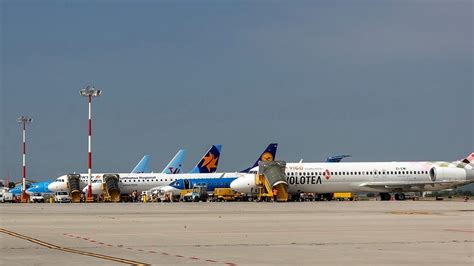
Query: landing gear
[400, 196]
[385, 196]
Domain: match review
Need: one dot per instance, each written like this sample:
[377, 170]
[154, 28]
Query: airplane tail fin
[209, 162]
[143, 166]
[175, 166]
[467, 162]
[336, 158]
[267, 155]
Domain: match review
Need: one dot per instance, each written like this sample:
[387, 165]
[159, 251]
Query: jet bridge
[111, 187]
[270, 176]
[74, 185]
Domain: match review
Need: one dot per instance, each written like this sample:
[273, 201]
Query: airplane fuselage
[367, 177]
[129, 182]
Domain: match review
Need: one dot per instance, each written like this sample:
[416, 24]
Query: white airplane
[382, 177]
[174, 166]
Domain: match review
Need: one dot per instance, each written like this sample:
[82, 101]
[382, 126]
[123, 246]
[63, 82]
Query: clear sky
[381, 80]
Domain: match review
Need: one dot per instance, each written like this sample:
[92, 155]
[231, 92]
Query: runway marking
[70, 250]
[460, 230]
[148, 251]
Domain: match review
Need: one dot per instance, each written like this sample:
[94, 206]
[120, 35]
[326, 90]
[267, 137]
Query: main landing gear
[387, 196]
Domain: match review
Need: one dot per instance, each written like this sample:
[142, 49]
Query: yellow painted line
[70, 250]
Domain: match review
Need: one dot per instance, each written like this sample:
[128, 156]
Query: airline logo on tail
[175, 166]
[173, 170]
[266, 157]
[209, 162]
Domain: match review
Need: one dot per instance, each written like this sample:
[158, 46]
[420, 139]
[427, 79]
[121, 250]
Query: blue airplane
[211, 183]
[224, 182]
[16, 191]
[39, 187]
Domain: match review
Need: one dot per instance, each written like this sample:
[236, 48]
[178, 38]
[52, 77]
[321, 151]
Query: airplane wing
[410, 186]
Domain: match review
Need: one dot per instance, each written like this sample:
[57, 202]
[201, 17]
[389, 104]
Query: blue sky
[381, 80]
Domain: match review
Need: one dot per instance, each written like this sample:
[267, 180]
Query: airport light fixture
[90, 92]
[23, 121]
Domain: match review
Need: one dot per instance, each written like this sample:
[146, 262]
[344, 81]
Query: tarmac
[239, 233]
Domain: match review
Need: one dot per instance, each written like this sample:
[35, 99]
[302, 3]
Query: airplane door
[186, 184]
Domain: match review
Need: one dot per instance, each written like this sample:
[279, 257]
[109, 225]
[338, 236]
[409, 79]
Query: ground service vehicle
[226, 194]
[7, 197]
[62, 197]
[344, 196]
[39, 197]
[199, 193]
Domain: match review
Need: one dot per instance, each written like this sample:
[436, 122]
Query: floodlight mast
[90, 92]
[23, 120]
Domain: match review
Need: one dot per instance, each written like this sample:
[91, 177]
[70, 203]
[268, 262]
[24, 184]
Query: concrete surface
[308, 233]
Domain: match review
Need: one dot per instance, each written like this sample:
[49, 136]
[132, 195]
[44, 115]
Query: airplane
[39, 187]
[174, 167]
[211, 183]
[16, 191]
[381, 177]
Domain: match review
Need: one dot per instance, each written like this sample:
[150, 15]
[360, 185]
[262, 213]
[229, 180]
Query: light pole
[23, 120]
[90, 92]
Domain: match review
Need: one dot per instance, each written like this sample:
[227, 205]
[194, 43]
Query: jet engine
[447, 173]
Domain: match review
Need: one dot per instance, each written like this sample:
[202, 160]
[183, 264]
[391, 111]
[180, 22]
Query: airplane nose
[51, 187]
[234, 185]
[238, 185]
[244, 184]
